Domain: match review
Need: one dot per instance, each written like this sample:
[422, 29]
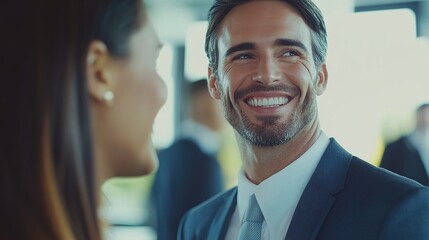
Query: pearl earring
[108, 97]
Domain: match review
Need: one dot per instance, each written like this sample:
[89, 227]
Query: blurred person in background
[82, 94]
[189, 171]
[267, 68]
[409, 155]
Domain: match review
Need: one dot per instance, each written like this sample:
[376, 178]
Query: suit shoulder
[211, 205]
[181, 149]
[400, 142]
[180, 145]
[379, 179]
[200, 220]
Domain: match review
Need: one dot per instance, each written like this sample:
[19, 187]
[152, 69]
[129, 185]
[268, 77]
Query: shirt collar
[420, 139]
[279, 194]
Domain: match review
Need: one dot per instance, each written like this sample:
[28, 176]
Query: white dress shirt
[205, 138]
[277, 195]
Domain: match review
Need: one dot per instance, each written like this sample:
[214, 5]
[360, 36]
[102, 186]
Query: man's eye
[290, 53]
[242, 56]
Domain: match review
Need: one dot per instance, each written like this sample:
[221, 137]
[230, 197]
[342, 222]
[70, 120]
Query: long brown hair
[47, 170]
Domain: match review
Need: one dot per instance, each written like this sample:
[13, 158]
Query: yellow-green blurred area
[127, 199]
[378, 74]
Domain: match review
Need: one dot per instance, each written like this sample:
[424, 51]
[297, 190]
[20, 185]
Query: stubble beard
[270, 131]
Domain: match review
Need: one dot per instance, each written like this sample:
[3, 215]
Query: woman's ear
[98, 72]
[322, 80]
[213, 84]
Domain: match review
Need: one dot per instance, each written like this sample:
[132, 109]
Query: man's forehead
[262, 21]
[268, 9]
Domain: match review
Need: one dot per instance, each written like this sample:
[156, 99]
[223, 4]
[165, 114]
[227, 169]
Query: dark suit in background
[186, 177]
[409, 155]
[403, 158]
[189, 171]
[346, 199]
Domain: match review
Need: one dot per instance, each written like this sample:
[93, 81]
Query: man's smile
[267, 101]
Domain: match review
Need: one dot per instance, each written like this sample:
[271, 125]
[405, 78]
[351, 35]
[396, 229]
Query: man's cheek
[308, 67]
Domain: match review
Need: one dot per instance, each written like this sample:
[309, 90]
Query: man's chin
[263, 137]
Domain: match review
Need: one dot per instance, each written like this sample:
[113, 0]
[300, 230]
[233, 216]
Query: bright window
[163, 129]
[376, 79]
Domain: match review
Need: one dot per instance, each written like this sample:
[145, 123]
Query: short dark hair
[308, 10]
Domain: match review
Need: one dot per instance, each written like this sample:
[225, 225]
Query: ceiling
[173, 17]
[197, 3]
[361, 3]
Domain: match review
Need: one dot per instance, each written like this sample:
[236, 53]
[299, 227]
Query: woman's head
[63, 57]
[122, 127]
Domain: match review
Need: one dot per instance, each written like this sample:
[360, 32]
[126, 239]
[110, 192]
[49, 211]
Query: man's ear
[98, 72]
[213, 84]
[322, 80]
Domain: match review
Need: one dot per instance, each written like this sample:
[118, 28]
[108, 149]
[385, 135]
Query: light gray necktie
[251, 228]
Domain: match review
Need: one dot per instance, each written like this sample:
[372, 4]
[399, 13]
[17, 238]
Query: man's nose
[268, 71]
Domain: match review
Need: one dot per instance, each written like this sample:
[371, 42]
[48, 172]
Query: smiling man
[267, 67]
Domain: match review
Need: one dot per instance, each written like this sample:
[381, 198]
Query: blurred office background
[378, 63]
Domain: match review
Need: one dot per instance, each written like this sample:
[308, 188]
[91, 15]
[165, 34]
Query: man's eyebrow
[240, 47]
[290, 42]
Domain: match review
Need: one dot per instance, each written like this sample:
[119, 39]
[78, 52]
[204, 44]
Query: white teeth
[267, 102]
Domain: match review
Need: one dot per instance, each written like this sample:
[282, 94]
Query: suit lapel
[319, 194]
[223, 217]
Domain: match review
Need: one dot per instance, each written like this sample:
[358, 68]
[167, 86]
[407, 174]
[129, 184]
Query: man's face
[267, 80]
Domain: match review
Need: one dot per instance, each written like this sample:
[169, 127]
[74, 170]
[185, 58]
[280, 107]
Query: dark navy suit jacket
[403, 158]
[345, 199]
[186, 177]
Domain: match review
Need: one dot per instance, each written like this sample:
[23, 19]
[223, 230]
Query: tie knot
[251, 228]
[253, 212]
